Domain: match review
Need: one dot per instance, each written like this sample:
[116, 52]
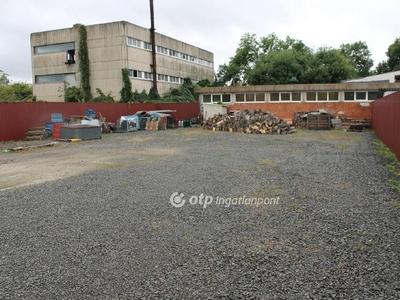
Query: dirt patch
[35, 166]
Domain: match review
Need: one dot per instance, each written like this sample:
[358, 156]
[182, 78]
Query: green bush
[74, 94]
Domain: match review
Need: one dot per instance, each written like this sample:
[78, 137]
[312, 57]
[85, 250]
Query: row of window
[160, 77]
[162, 50]
[292, 97]
[131, 42]
[132, 73]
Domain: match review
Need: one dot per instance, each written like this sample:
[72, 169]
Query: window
[147, 75]
[372, 95]
[361, 95]
[134, 42]
[260, 97]
[239, 97]
[147, 46]
[216, 98]
[333, 96]
[54, 48]
[173, 79]
[274, 96]
[50, 78]
[70, 57]
[349, 96]
[311, 96]
[206, 98]
[226, 98]
[285, 96]
[296, 96]
[162, 50]
[249, 97]
[135, 73]
[162, 77]
[322, 96]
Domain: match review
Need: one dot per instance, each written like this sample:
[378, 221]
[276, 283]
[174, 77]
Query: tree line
[270, 60]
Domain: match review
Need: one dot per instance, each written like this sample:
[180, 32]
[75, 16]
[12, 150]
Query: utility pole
[153, 45]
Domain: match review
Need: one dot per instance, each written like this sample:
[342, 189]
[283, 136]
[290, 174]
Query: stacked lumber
[350, 124]
[37, 133]
[248, 121]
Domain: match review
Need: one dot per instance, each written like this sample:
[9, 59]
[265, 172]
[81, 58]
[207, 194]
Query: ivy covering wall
[84, 69]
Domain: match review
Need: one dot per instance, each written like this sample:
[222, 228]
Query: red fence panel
[386, 121]
[16, 118]
[184, 111]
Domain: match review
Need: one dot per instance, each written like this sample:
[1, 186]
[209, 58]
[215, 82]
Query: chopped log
[248, 121]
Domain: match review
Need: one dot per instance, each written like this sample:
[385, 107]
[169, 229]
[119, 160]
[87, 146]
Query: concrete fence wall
[16, 118]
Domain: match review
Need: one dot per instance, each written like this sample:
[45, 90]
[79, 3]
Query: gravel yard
[99, 222]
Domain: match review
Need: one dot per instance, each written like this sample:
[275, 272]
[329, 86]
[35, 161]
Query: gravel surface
[329, 227]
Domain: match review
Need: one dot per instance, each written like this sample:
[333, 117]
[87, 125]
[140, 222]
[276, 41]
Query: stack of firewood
[248, 121]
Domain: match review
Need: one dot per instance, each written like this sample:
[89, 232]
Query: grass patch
[125, 183]
[268, 162]
[395, 204]
[393, 165]
[395, 184]
[327, 135]
[222, 154]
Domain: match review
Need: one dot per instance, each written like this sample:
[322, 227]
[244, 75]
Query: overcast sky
[214, 25]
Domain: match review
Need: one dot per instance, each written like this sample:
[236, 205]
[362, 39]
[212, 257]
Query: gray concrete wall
[109, 53]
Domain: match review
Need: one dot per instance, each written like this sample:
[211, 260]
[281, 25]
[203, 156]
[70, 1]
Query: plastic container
[90, 113]
[49, 126]
[56, 118]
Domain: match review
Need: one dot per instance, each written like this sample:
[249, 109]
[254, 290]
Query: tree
[382, 67]
[4, 78]
[74, 94]
[16, 92]
[154, 95]
[393, 55]
[328, 65]
[278, 67]
[243, 60]
[247, 62]
[393, 61]
[204, 82]
[359, 56]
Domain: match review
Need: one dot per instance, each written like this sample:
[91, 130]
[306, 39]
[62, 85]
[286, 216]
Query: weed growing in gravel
[222, 154]
[393, 166]
[268, 162]
[124, 183]
[395, 204]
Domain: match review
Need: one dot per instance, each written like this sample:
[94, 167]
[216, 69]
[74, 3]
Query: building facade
[111, 48]
[352, 99]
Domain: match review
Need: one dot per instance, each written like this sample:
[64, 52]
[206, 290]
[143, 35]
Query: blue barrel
[49, 126]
